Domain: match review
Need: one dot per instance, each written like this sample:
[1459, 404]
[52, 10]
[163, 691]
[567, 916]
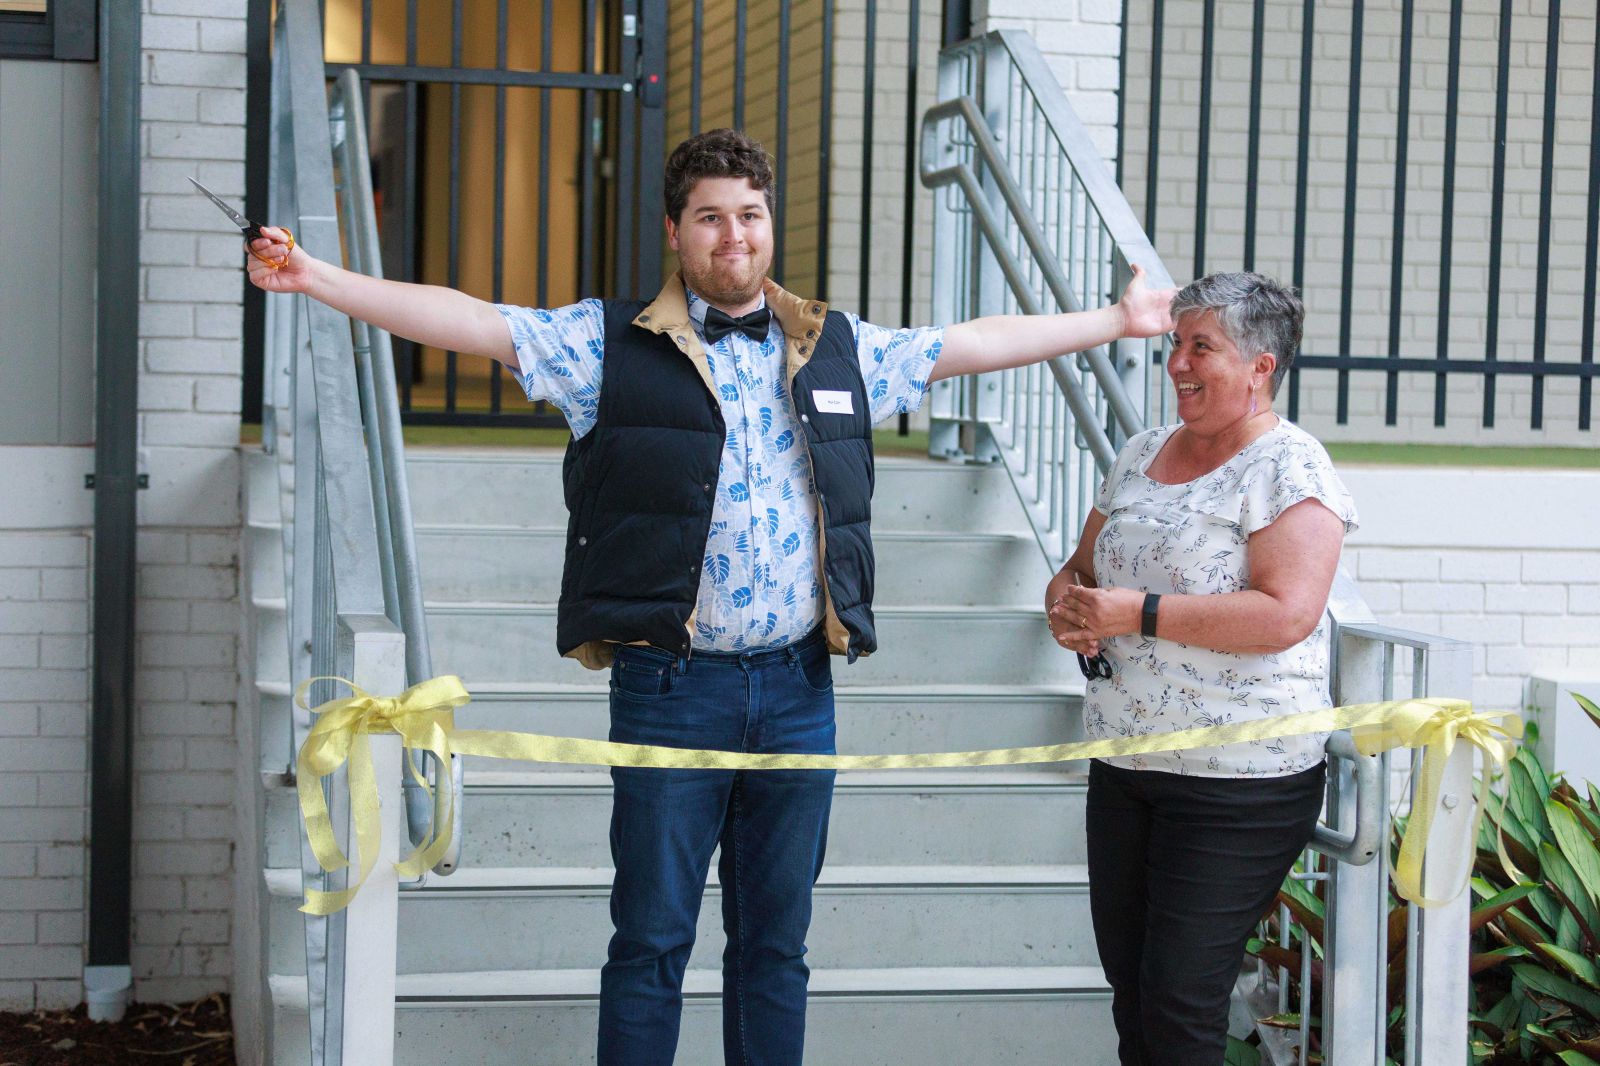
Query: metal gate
[507, 143]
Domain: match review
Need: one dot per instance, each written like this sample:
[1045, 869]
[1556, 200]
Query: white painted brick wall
[187, 614]
[1503, 559]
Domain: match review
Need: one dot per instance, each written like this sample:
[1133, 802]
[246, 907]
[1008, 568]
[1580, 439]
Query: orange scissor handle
[277, 263]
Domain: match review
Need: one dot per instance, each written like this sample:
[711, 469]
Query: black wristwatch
[1147, 616]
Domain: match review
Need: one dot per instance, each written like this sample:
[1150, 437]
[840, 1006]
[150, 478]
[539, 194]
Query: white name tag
[832, 403]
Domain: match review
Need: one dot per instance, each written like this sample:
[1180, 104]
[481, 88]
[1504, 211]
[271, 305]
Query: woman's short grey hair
[1258, 314]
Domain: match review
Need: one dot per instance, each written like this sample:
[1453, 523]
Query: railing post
[1355, 960]
[373, 650]
[1436, 1021]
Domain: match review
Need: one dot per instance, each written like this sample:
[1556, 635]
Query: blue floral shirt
[760, 586]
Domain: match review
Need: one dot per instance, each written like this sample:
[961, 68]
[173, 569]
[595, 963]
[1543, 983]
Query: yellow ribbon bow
[1436, 726]
[424, 717]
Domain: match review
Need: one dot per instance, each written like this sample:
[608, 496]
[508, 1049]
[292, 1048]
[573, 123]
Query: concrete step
[512, 564]
[918, 646]
[900, 718]
[1000, 1016]
[914, 915]
[912, 818]
[949, 646]
[523, 488]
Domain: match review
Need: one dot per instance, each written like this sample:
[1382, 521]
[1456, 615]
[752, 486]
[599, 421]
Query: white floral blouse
[1192, 539]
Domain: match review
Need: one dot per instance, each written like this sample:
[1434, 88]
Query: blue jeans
[772, 826]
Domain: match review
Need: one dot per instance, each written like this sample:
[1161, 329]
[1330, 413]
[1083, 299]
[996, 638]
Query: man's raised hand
[1146, 312]
[295, 273]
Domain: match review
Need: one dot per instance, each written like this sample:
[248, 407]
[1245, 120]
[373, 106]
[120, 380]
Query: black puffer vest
[640, 486]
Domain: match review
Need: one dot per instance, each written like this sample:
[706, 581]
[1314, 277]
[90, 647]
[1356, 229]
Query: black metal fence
[1398, 161]
[518, 149]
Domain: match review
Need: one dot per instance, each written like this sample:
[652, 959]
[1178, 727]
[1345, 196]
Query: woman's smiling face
[1214, 384]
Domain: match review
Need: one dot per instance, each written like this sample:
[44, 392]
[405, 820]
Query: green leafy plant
[1535, 926]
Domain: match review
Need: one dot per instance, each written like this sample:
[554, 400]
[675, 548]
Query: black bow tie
[754, 325]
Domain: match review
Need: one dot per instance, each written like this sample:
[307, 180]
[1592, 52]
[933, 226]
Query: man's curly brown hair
[720, 153]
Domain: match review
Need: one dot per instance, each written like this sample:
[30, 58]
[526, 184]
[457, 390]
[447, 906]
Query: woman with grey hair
[1202, 576]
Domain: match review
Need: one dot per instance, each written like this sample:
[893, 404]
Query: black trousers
[1180, 871]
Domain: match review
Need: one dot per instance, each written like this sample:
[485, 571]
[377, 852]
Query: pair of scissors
[250, 230]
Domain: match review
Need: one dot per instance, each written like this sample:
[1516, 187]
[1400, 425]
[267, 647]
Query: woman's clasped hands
[1080, 616]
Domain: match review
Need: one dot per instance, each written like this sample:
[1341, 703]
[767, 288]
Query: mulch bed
[150, 1034]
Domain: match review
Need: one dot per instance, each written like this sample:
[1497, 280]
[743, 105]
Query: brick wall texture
[188, 613]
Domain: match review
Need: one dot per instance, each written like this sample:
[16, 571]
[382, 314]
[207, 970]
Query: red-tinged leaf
[1570, 1057]
[1525, 930]
[1492, 907]
[1588, 706]
[1488, 960]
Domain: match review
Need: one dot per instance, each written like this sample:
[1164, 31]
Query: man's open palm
[1146, 311]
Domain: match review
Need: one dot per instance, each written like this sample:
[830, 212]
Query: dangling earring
[1252, 401]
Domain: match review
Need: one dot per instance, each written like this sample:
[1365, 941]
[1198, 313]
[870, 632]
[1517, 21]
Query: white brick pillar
[1082, 41]
[190, 329]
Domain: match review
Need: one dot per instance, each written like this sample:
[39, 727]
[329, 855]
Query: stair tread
[497, 691]
[953, 610]
[503, 985]
[919, 780]
[286, 881]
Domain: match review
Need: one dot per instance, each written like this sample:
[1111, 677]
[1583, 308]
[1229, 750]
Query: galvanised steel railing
[1027, 218]
[354, 604]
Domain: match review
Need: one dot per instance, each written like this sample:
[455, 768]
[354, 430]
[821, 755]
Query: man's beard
[728, 286]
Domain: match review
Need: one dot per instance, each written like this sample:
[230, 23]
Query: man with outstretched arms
[719, 484]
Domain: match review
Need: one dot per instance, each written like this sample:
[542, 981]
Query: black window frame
[66, 30]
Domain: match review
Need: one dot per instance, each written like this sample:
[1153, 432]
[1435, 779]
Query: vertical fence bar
[868, 91]
[1397, 253]
[1351, 158]
[1253, 150]
[825, 155]
[589, 204]
[1152, 162]
[497, 282]
[908, 199]
[1302, 173]
[542, 252]
[908, 236]
[740, 26]
[410, 352]
[1122, 92]
[1541, 293]
[1497, 196]
[453, 269]
[696, 85]
[1592, 245]
[1447, 210]
[780, 179]
[1202, 166]
[624, 280]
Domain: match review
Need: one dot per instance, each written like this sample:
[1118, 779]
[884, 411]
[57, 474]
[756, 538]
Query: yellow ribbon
[424, 717]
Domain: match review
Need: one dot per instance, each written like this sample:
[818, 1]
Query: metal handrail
[997, 92]
[380, 403]
[338, 455]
